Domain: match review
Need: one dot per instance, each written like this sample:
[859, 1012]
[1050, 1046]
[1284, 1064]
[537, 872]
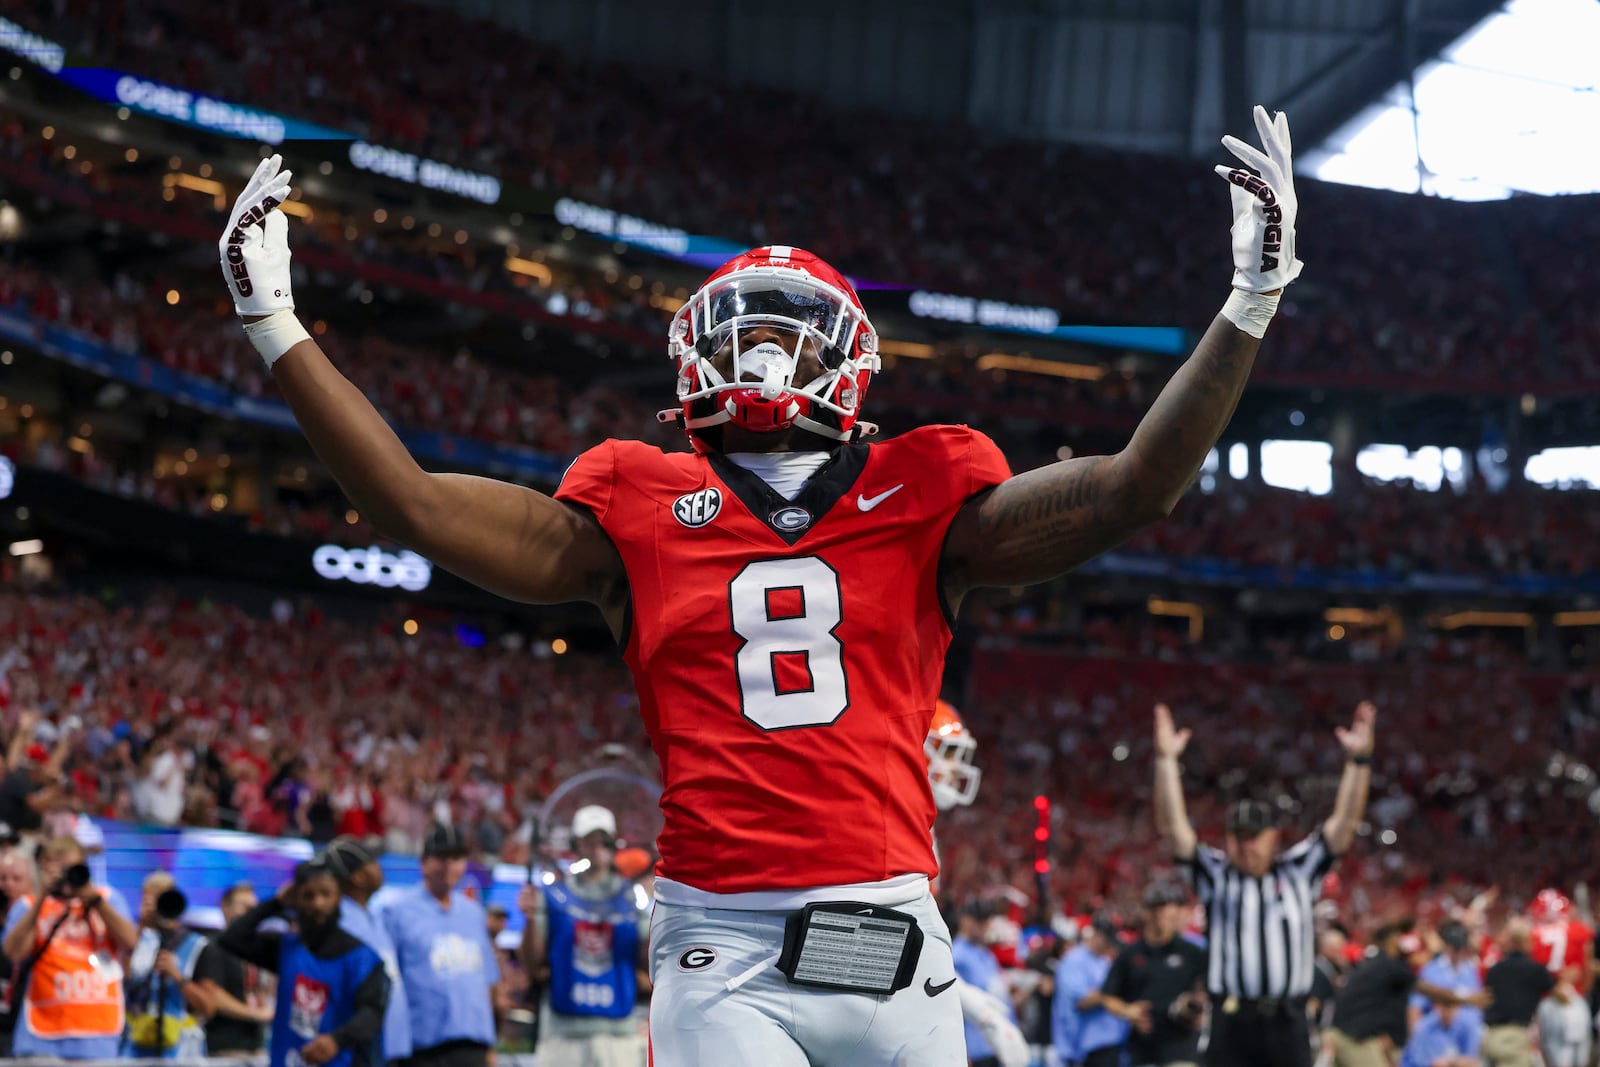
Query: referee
[1260, 930]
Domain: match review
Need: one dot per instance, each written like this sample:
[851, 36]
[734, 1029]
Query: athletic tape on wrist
[276, 334]
[1251, 311]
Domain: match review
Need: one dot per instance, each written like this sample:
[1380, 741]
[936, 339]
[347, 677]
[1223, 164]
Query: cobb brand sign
[373, 566]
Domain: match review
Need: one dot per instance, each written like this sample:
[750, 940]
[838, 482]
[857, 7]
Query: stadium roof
[1167, 76]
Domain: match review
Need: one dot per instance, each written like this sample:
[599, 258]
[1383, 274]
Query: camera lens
[77, 876]
[171, 905]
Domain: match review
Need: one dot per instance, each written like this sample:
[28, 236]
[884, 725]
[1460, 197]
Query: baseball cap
[1104, 927]
[444, 840]
[1158, 894]
[1455, 935]
[497, 910]
[591, 818]
[1250, 817]
[347, 855]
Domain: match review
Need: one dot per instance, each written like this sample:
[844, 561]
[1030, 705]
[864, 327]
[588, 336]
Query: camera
[171, 905]
[71, 881]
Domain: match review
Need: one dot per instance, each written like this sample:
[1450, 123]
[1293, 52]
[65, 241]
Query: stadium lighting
[1032, 365]
[27, 548]
[1304, 466]
[1496, 114]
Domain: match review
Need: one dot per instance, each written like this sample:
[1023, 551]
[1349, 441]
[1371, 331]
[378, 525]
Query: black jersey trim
[821, 492]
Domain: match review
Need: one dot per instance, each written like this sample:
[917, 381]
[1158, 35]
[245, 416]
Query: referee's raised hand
[1170, 741]
[1358, 740]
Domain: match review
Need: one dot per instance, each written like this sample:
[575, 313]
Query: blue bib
[317, 996]
[594, 948]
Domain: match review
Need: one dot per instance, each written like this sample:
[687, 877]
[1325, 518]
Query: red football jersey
[1559, 945]
[788, 654]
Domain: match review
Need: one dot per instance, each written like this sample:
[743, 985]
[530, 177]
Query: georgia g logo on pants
[697, 959]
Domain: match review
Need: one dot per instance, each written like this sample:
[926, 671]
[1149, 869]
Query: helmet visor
[744, 302]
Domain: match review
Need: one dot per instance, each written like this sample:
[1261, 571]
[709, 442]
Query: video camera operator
[67, 944]
[19, 878]
[167, 1004]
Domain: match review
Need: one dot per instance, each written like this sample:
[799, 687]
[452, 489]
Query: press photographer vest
[158, 1014]
[75, 987]
[594, 949]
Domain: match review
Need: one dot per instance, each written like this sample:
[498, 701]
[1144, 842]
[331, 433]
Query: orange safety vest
[71, 994]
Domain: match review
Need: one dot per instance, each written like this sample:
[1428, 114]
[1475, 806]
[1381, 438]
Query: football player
[1564, 945]
[784, 596]
[954, 778]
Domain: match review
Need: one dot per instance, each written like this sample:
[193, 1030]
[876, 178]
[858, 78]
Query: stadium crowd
[172, 712]
[1464, 305]
[464, 395]
[361, 735]
[1366, 526]
[300, 723]
[1369, 525]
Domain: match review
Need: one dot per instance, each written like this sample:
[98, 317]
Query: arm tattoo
[1033, 513]
[1047, 521]
[1042, 524]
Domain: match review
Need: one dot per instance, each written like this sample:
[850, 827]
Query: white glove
[988, 1014]
[255, 246]
[1264, 208]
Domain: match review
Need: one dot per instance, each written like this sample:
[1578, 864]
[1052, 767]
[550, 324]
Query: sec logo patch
[697, 959]
[696, 509]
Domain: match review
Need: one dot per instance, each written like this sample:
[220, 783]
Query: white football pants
[696, 1021]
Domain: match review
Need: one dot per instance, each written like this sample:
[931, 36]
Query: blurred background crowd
[170, 658]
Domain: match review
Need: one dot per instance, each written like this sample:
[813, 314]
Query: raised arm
[1172, 814]
[1350, 806]
[506, 538]
[1043, 523]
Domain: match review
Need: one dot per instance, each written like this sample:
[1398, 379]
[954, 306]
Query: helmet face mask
[774, 339]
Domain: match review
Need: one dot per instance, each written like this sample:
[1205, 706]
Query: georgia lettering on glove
[1261, 189]
[235, 253]
[1272, 233]
[255, 256]
[255, 247]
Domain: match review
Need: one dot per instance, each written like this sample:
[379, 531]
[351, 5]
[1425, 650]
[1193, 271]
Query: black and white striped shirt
[1260, 932]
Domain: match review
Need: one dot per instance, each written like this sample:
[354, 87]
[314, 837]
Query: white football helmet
[951, 749]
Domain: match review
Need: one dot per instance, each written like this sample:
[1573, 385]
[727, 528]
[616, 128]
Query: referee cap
[1250, 817]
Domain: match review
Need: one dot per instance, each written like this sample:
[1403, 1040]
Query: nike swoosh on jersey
[867, 503]
[934, 990]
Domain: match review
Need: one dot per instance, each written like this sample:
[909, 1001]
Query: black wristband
[1364, 760]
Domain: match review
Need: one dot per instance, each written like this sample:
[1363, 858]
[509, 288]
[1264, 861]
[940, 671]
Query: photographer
[167, 1004]
[1157, 984]
[19, 878]
[69, 940]
[332, 989]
